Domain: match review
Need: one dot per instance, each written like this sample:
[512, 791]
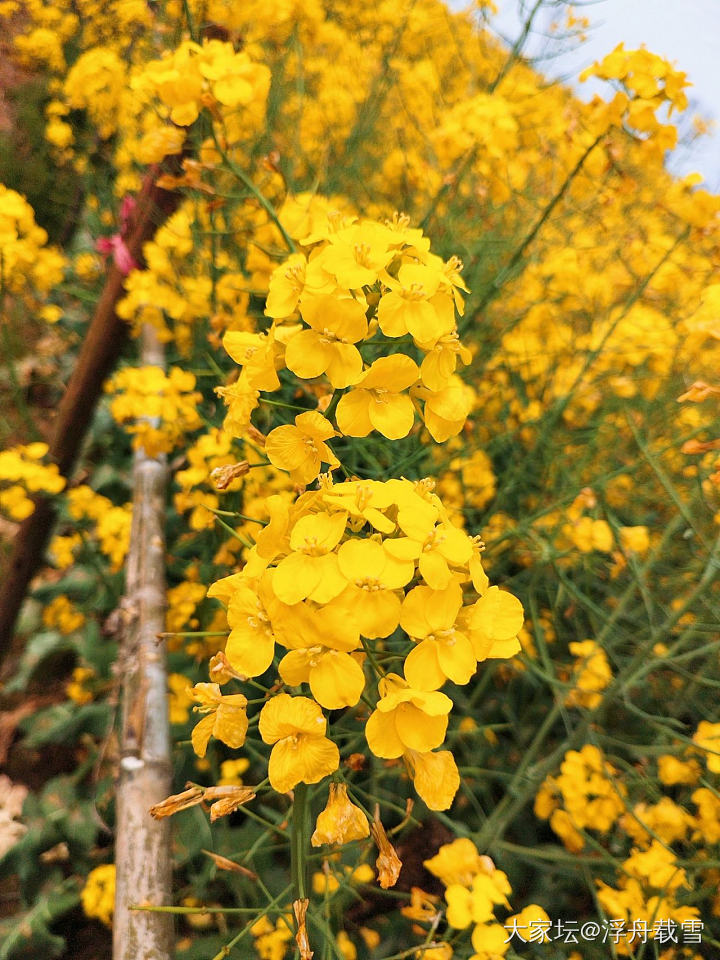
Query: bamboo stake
[142, 844]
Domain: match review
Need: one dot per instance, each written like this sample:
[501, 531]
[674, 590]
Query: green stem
[298, 842]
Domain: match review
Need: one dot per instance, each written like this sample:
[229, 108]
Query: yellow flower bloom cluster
[272, 940]
[474, 888]
[27, 264]
[359, 282]
[195, 76]
[337, 876]
[109, 523]
[21, 469]
[181, 603]
[62, 613]
[98, 894]
[332, 576]
[95, 83]
[591, 674]
[646, 894]
[180, 699]
[77, 689]
[707, 737]
[586, 795]
[158, 408]
[210, 452]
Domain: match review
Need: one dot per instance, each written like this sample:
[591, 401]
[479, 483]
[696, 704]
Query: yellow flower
[301, 752]
[226, 719]
[179, 698]
[490, 941]
[436, 546]
[341, 821]
[63, 614]
[672, 770]
[321, 642]
[707, 737]
[158, 143]
[76, 689]
[476, 904]
[300, 449]
[328, 347]
[414, 306]
[98, 894]
[441, 358]
[251, 645]
[286, 285]
[374, 577]
[271, 942]
[346, 946]
[377, 401]
[312, 570]
[435, 777]
[592, 673]
[447, 409]
[494, 622]
[231, 772]
[441, 652]
[635, 539]
[256, 353]
[406, 719]
[457, 862]
[356, 255]
[364, 500]
[443, 952]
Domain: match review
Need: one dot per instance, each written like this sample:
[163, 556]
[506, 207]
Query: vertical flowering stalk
[142, 844]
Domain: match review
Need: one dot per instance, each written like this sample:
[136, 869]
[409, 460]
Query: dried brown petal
[222, 863]
[179, 801]
[301, 937]
[221, 670]
[388, 862]
[222, 477]
[227, 799]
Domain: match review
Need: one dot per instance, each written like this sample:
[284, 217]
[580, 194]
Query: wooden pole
[142, 844]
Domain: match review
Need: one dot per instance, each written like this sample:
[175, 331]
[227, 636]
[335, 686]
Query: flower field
[360, 496]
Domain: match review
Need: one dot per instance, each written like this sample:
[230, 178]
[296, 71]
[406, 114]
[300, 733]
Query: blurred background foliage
[593, 306]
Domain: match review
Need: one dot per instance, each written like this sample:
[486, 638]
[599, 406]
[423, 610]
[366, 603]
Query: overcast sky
[685, 31]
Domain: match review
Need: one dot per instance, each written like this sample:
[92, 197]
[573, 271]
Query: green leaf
[31, 929]
[191, 834]
[65, 722]
[36, 649]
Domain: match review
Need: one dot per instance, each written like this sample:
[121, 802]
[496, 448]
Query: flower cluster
[109, 523]
[98, 894]
[359, 284]
[591, 674]
[346, 574]
[648, 82]
[647, 892]
[474, 889]
[158, 408]
[27, 263]
[24, 473]
[586, 795]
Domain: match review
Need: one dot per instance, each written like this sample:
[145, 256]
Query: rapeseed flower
[301, 752]
[300, 449]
